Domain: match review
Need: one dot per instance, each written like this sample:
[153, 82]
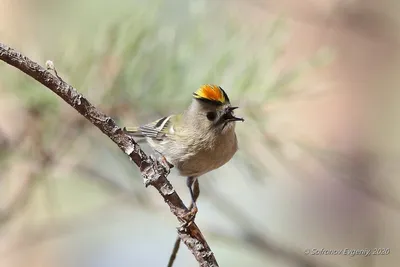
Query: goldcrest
[197, 141]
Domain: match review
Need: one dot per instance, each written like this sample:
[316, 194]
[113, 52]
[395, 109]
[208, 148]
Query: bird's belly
[204, 161]
[200, 157]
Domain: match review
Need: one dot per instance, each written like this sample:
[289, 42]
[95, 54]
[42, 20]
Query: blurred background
[316, 81]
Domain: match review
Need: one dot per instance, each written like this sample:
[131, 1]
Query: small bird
[197, 141]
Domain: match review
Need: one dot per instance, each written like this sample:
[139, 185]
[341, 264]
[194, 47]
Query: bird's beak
[228, 116]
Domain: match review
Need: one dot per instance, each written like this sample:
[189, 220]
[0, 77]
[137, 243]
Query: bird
[199, 140]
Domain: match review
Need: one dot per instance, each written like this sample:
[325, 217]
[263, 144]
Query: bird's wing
[133, 131]
[157, 129]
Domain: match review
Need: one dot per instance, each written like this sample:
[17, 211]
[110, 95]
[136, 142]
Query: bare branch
[153, 173]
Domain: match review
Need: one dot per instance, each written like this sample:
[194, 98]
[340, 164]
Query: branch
[153, 173]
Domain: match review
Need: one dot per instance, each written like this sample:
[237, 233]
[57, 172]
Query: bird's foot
[164, 163]
[167, 165]
[189, 217]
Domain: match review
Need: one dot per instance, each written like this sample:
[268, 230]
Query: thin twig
[153, 173]
[45, 161]
[196, 192]
[174, 252]
[21, 200]
[32, 235]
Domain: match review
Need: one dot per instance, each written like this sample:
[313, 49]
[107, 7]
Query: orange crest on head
[210, 92]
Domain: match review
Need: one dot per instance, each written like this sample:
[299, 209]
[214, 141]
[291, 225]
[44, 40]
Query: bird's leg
[194, 189]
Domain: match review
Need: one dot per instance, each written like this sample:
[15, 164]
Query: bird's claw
[154, 159]
[164, 163]
[189, 217]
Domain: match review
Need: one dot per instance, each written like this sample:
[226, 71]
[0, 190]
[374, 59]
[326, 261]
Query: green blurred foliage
[154, 63]
[139, 60]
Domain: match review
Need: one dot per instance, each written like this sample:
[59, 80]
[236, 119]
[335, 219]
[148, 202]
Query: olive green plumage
[200, 139]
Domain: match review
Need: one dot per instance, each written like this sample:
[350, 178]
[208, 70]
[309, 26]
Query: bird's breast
[207, 155]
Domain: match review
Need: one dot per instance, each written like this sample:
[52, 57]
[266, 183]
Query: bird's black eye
[211, 115]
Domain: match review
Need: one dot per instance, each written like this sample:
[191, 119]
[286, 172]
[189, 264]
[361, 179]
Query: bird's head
[212, 106]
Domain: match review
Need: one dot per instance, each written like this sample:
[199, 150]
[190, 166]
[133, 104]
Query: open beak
[228, 116]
